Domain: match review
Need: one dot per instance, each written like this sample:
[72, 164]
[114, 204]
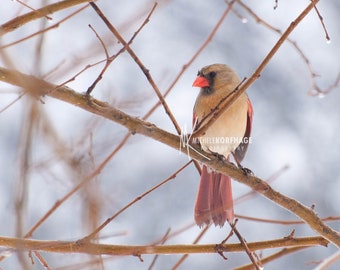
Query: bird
[228, 135]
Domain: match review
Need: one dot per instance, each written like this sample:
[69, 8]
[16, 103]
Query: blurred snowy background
[290, 127]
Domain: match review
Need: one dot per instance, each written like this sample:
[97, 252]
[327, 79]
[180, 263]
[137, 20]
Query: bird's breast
[227, 132]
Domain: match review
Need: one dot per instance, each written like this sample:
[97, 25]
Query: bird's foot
[219, 157]
[247, 171]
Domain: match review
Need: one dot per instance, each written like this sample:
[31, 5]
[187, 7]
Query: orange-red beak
[201, 82]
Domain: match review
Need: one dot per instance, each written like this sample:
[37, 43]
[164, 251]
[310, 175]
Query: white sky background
[290, 127]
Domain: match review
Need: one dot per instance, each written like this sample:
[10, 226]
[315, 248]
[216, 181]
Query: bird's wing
[241, 150]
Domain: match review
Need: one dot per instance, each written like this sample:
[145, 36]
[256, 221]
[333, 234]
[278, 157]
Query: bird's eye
[198, 73]
[212, 74]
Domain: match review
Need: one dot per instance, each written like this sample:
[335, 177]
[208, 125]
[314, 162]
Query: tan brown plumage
[227, 135]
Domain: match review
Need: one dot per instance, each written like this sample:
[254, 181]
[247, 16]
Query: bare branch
[123, 250]
[12, 102]
[37, 14]
[257, 264]
[328, 39]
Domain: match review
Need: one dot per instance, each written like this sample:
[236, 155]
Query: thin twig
[12, 102]
[328, 39]
[42, 260]
[84, 69]
[109, 60]
[256, 264]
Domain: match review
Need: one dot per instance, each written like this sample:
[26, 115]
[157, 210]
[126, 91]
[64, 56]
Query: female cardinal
[228, 134]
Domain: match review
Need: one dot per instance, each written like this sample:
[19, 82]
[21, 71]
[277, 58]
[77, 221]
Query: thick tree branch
[102, 249]
[36, 14]
[38, 87]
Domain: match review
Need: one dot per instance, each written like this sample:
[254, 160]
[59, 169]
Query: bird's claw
[219, 156]
[246, 171]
